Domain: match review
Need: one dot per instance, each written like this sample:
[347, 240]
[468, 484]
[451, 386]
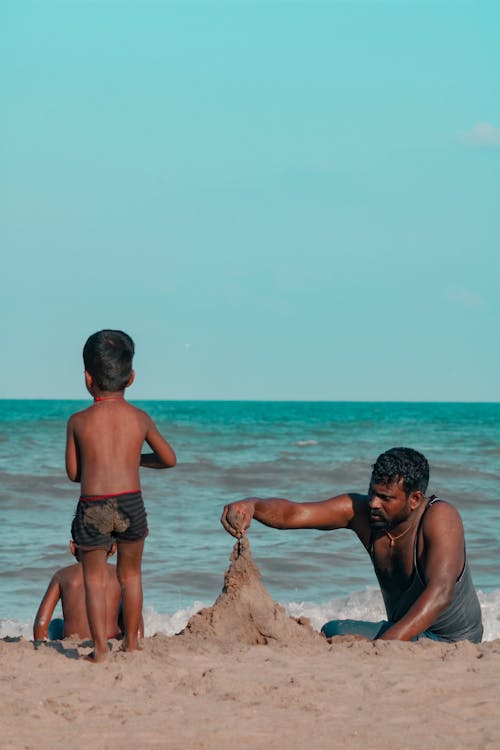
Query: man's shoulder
[360, 520]
[437, 507]
[359, 502]
[440, 514]
[360, 497]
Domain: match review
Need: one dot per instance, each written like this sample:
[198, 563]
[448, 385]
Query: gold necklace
[393, 539]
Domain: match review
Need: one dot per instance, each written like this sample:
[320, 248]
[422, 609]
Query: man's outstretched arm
[335, 513]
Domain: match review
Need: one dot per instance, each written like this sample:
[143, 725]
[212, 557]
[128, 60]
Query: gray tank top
[460, 621]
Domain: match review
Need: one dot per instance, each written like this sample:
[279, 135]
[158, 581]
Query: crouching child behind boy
[67, 586]
[104, 452]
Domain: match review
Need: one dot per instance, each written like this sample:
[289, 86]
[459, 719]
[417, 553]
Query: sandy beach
[245, 675]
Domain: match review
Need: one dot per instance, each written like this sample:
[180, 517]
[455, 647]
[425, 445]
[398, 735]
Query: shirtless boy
[67, 585]
[104, 452]
[416, 545]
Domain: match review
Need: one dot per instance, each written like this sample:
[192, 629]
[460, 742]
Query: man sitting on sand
[67, 585]
[416, 545]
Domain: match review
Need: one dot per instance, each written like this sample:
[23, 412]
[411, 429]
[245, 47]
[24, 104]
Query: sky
[276, 200]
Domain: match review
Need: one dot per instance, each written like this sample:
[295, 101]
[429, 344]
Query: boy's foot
[96, 658]
[126, 646]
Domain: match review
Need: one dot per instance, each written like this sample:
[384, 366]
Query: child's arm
[163, 456]
[46, 610]
[73, 464]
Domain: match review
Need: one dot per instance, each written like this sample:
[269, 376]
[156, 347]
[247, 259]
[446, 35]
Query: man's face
[389, 505]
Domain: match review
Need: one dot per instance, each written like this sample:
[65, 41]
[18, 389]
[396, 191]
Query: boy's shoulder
[129, 415]
[68, 573]
[77, 415]
[139, 413]
[90, 410]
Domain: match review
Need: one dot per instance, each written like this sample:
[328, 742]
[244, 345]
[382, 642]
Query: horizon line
[259, 400]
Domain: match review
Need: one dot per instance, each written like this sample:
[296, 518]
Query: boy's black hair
[107, 356]
[402, 463]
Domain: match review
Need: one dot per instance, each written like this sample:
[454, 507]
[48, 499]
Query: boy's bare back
[104, 444]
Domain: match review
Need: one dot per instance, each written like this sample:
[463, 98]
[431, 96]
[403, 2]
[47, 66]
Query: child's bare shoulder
[69, 573]
[140, 413]
[79, 416]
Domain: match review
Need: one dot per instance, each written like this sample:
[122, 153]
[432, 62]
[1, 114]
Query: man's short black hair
[107, 356]
[402, 464]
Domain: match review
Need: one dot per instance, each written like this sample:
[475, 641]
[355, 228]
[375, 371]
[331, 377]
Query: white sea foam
[362, 605]
[15, 628]
[490, 608]
[155, 622]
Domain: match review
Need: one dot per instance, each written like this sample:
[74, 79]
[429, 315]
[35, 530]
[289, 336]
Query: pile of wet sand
[244, 612]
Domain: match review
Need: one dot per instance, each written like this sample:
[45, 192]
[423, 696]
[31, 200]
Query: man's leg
[430, 636]
[128, 568]
[354, 627]
[95, 578]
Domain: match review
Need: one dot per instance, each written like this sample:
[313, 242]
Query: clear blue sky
[277, 200]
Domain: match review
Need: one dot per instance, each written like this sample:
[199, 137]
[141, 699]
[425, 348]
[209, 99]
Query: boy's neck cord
[108, 398]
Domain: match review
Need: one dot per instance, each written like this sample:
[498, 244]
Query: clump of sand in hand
[244, 612]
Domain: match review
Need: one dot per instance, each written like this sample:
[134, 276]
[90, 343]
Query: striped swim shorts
[102, 519]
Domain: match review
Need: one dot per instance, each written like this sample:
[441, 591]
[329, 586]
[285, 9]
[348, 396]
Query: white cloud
[481, 134]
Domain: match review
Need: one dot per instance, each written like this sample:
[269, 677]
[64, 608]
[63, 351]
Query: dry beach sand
[245, 675]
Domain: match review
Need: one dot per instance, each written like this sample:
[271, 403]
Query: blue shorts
[367, 629]
[56, 629]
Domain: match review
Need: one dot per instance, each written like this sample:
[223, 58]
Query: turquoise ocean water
[228, 450]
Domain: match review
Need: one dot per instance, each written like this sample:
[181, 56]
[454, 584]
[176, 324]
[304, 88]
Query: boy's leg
[95, 578]
[128, 568]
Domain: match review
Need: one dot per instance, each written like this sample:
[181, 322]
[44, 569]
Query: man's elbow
[443, 595]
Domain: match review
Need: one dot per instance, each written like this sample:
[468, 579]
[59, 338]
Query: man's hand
[236, 517]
